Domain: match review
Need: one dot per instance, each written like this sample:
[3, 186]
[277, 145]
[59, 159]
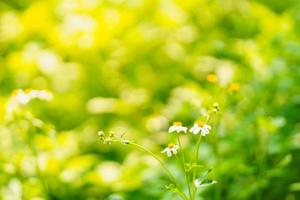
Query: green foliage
[136, 66]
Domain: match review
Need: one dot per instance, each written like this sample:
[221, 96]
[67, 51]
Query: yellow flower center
[200, 123]
[177, 123]
[171, 145]
[27, 91]
[212, 78]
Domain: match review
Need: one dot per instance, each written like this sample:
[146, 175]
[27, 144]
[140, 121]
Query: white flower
[171, 149]
[23, 97]
[40, 94]
[197, 183]
[177, 126]
[200, 127]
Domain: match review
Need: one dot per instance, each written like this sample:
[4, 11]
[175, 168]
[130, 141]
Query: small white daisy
[24, 96]
[171, 150]
[21, 97]
[177, 126]
[200, 127]
[197, 183]
[41, 94]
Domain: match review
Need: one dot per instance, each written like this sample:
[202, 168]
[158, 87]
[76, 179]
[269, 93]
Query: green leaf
[204, 175]
[208, 183]
[295, 186]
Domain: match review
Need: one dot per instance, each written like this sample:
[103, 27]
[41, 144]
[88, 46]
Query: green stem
[182, 164]
[196, 162]
[163, 164]
[197, 149]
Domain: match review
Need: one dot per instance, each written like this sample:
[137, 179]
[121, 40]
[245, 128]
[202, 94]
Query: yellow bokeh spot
[234, 87]
[212, 78]
[37, 18]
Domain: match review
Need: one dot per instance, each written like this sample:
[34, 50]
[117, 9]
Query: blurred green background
[137, 66]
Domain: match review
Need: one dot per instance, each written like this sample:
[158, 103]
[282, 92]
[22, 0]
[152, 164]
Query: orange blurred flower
[234, 87]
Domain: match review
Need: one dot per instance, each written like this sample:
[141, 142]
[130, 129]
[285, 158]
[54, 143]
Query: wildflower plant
[26, 129]
[194, 180]
[22, 97]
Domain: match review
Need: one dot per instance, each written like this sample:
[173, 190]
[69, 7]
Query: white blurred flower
[109, 172]
[200, 127]
[23, 97]
[177, 126]
[197, 183]
[20, 97]
[13, 190]
[171, 149]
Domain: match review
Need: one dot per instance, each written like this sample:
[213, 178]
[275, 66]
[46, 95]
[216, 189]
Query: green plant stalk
[196, 162]
[163, 164]
[196, 158]
[184, 171]
[215, 145]
[216, 168]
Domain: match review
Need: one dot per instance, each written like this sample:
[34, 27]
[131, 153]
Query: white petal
[44, 95]
[169, 153]
[192, 129]
[181, 129]
[174, 151]
[205, 130]
[177, 129]
[195, 129]
[197, 183]
[172, 129]
[184, 129]
[22, 98]
[165, 150]
[207, 126]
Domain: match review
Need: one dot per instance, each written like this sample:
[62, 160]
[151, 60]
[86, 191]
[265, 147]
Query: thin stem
[171, 176]
[196, 162]
[163, 164]
[182, 164]
[181, 194]
[197, 149]
[196, 157]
